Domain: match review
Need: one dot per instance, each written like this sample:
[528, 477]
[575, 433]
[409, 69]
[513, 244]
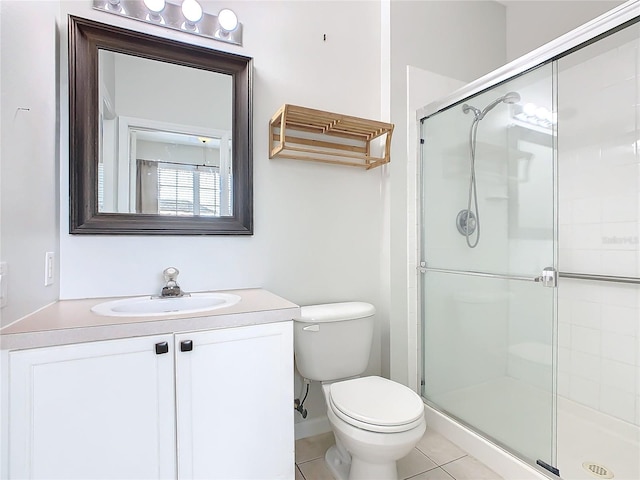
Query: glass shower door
[488, 246]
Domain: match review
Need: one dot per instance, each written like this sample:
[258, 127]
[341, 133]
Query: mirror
[160, 135]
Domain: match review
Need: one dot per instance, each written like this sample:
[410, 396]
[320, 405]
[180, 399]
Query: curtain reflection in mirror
[178, 189]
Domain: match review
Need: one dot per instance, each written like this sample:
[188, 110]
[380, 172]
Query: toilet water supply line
[298, 405]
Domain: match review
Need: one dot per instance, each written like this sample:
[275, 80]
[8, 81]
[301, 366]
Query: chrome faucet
[171, 288]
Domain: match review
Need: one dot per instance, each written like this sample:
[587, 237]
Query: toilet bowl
[375, 421]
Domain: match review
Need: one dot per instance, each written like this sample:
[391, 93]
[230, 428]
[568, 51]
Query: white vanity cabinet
[114, 409]
[234, 393]
[92, 410]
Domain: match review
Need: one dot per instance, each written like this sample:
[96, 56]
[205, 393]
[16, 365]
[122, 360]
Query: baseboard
[311, 427]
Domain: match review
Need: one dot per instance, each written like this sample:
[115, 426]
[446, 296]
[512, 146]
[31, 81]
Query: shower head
[509, 98]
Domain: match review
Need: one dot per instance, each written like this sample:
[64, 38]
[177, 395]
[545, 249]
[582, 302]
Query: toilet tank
[333, 341]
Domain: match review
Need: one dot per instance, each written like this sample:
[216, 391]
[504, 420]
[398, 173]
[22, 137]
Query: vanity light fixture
[114, 6]
[155, 9]
[186, 16]
[227, 20]
[227, 24]
[192, 12]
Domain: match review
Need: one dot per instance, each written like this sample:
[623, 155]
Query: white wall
[433, 36]
[199, 98]
[29, 162]
[317, 227]
[532, 23]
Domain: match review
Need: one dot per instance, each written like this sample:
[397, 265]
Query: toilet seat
[376, 404]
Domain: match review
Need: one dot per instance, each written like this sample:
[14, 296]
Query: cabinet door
[100, 410]
[234, 394]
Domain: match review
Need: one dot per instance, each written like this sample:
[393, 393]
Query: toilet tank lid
[335, 312]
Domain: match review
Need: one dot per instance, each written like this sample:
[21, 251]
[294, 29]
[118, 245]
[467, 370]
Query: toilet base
[355, 469]
[372, 471]
[337, 464]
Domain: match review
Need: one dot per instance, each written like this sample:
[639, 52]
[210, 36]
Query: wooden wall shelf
[327, 137]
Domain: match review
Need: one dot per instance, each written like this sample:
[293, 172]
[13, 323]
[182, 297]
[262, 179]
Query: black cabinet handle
[162, 347]
[186, 346]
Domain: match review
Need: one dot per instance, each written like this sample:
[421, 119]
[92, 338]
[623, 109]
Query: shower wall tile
[620, 208]
[576, 290]
[599, 215]
[586, 210]
[586, 340]
[624, 263]
[586, 236]
[621, 348]
[564, 214]
[620, 319]
[607, 377]
[618, 403]
[564, 335]
[564, 305]
[586, 392]
[619, 375]
[586, 260]
[619, 151]
[586, 366]
[620, 235]
[563, 384]
[616, 179]
[621, 295]
[620, 65]
[586, 314]
[564, 360]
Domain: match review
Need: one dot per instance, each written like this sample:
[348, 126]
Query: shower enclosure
[529, 254]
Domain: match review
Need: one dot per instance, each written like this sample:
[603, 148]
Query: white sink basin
[158, 307]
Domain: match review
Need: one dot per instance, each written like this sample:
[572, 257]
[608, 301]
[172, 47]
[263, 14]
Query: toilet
[375, 421]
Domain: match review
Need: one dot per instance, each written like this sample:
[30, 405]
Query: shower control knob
[466, 222]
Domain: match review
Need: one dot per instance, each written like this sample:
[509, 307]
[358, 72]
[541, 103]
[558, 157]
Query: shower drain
[597, 471]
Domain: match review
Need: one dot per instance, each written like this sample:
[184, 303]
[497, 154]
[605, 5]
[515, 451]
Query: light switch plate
[49, 268]
[4, 284]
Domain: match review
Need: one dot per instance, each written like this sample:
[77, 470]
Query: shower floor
[584, 435]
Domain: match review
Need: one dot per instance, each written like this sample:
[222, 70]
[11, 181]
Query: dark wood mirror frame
[85, 38]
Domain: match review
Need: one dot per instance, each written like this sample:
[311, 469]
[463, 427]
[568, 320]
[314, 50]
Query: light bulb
[155, 6]
[115, 6]
[228, 20]
[192, 11]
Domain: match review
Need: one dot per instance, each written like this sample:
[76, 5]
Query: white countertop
[72, 321]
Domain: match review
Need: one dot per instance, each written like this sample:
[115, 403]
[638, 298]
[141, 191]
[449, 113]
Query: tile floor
[434, 458]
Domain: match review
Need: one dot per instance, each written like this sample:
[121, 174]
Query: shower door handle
[549, 277]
